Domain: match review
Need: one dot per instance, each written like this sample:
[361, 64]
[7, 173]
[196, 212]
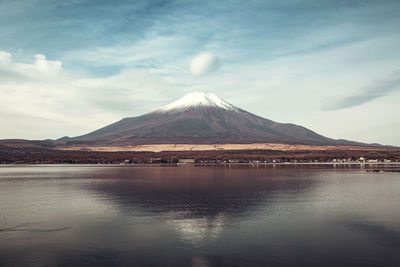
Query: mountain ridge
[201, 118]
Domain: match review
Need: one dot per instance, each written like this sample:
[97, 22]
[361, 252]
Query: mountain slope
[200, 118]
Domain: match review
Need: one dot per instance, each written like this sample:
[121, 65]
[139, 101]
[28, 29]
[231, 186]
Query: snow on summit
[198, 99]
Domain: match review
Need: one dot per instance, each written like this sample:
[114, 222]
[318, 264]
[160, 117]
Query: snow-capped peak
[198, 99]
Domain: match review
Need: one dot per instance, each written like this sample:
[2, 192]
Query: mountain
[200, 118]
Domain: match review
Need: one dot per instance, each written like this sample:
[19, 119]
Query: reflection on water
[197, 216]
[197, 230]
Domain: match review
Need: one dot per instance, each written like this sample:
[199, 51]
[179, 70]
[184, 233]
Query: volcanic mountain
[200, 118]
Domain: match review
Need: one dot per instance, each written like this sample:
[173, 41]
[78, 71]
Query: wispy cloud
[375, 90]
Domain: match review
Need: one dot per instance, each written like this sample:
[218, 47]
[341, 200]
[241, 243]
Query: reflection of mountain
[195, 191]
[197, 202]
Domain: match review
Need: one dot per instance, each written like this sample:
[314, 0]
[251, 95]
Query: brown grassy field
[22, 151]
[214, 147]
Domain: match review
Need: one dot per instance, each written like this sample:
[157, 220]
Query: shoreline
[386, 164]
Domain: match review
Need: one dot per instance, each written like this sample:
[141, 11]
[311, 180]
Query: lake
[77, 215]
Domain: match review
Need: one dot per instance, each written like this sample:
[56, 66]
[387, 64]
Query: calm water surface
[198, 216]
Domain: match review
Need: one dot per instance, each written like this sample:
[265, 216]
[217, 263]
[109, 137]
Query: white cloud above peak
[204, 63]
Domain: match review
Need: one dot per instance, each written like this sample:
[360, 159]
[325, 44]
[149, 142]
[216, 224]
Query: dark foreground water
[198, 216]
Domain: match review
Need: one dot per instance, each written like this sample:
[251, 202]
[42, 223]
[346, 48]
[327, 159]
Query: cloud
[5, 57]
[41, 68]
[375, 90]
[42, 64]
[203, 64]
[65, 103]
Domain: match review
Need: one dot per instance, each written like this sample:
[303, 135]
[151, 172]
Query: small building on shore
[186, 161]
[155, 160]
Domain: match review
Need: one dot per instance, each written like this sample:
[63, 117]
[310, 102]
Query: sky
[71, 67]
